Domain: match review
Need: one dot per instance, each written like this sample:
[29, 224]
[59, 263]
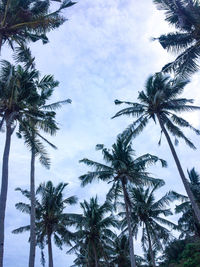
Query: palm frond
[57, 105]
[21, 229]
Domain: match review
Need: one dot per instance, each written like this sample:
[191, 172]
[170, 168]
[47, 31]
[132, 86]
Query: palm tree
[159, 101]
[30, 130]
[184, 15]
[188, 224]
[82, 258]
[148, 213]
[17, 95]
[32, 20]
[121, 256]
[51, 219]
[121, 170]
[94, 236]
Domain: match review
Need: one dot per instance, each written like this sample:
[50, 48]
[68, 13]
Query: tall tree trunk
[50, 250]
[32, 217]
[178, 164]
[2, 122]
[1, 41]
[95, 255]
[150, 248]
[4, 189]
[128, 217]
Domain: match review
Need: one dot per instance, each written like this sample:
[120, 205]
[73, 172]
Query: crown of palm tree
[17, 91]
[94, 236]
[160, 98]
[42, 119]
[187, 223]
[121, 164]
[120, 254]
[51, 217]
[23, 99]
[147, 212]
[32, 20]
[184, 15]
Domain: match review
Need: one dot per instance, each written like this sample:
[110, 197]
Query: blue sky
[104, 52]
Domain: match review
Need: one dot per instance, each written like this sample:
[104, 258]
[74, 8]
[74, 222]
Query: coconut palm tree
[17, 95]
[147, 213]
[121, 170]
[121, 256]
[188, 224]
[159, 101]
[82, 258]
[184, 15]
[51, 219]
[30, 130]
[32, 20]
[93, 233]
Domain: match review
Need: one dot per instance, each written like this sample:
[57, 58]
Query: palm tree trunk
[1, 40]
[150, 248]
[95, 255]
[50, 250]
[32, 217]
[4, 189]
[178, 164]
[128, 217]
[2, 122]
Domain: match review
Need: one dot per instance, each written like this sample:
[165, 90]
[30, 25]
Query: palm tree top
[93, 230]
[120, 162]
[147, 212]
[96, 213]
[184, 15]
[24, 99]
[160, 97]
[32, 20]
[181, 14]
[50, 209]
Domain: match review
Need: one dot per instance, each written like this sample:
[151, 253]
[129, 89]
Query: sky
[102, 53]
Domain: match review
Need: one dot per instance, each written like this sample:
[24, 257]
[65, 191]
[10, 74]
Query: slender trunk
[2, 122]
[4, 189]
[50, 250]
[150, 248]
[32, 217]
[1, 40]
[128, 217]
[178, 164]
[95, 255]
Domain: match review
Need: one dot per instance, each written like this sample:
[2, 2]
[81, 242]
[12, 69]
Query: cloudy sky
[102, 53]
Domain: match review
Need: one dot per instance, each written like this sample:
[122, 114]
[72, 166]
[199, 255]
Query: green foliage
[93, 236]
[51, 218]
[184, 15]
[187, 223]
[159, 101]
[23, 101]
[121, 166]
[191, 255]
[120, 253]
[182, 253]
[149, 215]
[31, 22]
